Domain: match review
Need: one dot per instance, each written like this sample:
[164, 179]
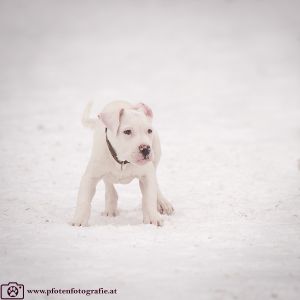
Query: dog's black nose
[145, 150]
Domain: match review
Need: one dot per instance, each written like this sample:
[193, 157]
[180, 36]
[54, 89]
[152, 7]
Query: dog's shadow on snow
[124, 218]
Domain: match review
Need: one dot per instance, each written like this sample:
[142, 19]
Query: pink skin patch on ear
[146, 109]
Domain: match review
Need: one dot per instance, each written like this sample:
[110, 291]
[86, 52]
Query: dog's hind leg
[111, 200]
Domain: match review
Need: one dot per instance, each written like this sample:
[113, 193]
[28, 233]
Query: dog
[125, 146]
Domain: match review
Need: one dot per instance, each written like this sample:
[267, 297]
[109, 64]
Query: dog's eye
[149, 131]
[128, 132]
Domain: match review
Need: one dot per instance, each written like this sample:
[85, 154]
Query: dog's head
[130, 132]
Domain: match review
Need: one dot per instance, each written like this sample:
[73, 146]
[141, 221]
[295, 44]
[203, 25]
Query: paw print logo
[12, 291]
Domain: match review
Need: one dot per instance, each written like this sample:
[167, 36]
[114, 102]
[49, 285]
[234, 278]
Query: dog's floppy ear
[111, 119]
[144, 108]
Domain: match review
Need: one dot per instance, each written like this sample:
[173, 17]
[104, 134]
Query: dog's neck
[113, 152]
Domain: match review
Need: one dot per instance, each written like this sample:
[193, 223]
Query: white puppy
[125, 147]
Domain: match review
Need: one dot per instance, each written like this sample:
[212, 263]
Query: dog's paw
[164, 207]
[80, 219]
[154, 220]
[110, 213]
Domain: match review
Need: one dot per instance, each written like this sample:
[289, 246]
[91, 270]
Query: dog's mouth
[142, 161]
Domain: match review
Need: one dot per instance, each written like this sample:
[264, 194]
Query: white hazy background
[223, 80]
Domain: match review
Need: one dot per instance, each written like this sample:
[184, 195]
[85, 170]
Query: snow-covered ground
[223, 80]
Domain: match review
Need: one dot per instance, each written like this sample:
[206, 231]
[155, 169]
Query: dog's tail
[86, 120]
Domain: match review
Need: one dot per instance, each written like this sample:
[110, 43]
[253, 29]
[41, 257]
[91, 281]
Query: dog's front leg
[86, 193]
[148, 187]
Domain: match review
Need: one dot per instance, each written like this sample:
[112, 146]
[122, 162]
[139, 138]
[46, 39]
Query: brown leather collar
[113, 152]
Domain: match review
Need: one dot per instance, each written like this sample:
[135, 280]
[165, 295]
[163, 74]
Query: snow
[222, 78]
